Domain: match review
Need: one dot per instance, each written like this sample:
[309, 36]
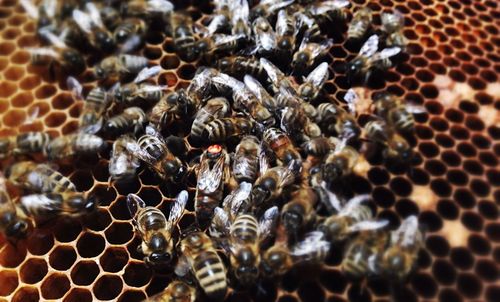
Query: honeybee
[268, 8]
[360, 23]
[400, 257]
[329, 11]
[362, 253]
[395, 112]
[151, 148]
[94, 107]
[368, 60]
[352, 216]
[237, 66]
[318, 147]
[176, 291]
[44, 14]
[181, 29]
[91, 23]
[246, 159]
[146, 8]
[286, 31]
[171, 107]
[70, 60]
[260, 93]
[121, 64]
[272, 183]
[74, 144]
[333, 119]
[299, 212]
[217, 44]
[128, 28]
[240, 13]
[11, 225]
[265, 37]
[131, 118]
[395, 145]
[277, 77]
[392, 24]
[199, 257]
[309, 53]
[310, 89]
[122, 163]
[212, 174]
[339, 163]
[214, 109]
[110, 17]
[281, 145]
[39, 178]
[276, 261]
[24, 144]
[220, 130]
[155, 229]
[220, 18]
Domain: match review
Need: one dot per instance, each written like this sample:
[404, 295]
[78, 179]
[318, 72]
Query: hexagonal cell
[33, 270]
[7, 48]
[114, 259]
[90, 245]
[62, 257]
[67, 230]
[55, 286]
[30, 82]
[137, 274]
[97, 221]
[84, 272]
[26, 294]
[119, 233]
[132, 296]
[107, 287]
[10, 256]
[8, 282]
[78, 295]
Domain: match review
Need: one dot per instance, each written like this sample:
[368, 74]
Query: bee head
[306, 92]
[74, 60]
[17, 229]
[331, 172]
[224, 64]
[201, 46]
[158, 245]
[100, 72]
[171, 167]
[105, 40]
[354, 67]
[300, 61]
[275, 262]
[331, 229]
[285, 45]
[292, 217]
[402, 149]
[120, 35]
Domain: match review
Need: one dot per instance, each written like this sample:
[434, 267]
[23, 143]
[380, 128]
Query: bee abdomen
[211, 274]
[245, 228]
[96, 96]
[32, 142]
[88, 143]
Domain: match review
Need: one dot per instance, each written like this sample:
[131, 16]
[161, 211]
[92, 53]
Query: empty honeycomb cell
[311, 291]
[137, 274]
[4, 105]
[84, 272]
[26, 294]
[10, 256]
[410, 84]
[3, 63]
[33, 270]
[90, 245]
[152, 53]
[480, 187]
[6, 48]
[7, 88]
[336, 287]
[170, 62]
[457, 177]
[107, 287]
[479, 245]
[378, 176]
[186, 72]
[97, 221]
[62, 101]
[69, 127]
[488, 76]
[114, 259]
[11, 33]
[78, 295]
[469, 285]
[472, 221]
[401, 186]
[14, 73]
[474, 123]
[8, 282]
[383, 197]
[39, 243]
[466, 149]
[428, 149]
[493, 231]
[45, 91]
[439, 124]
[132, 296]
[17, 20]
[424, 285]
[54, 286]
[30, 82]
[67, 230]
[119, 233]
[22, 99]
[459, 132]
[488, 209]
[82, 179]
[444, 140]
[62, 258]
[444, 272]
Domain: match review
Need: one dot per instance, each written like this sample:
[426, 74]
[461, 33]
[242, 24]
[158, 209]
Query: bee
[199, 257]
[395, 145]
[95, 105]
[122, 163]
[111, 18]
[11, 225]
[395, 112]
[240, 18]
[146, 8]
[279, 80]
[214, 109]
[213, 172]
[339, 163]
[265, 37]
[128, 28]
[329, 12]
[59, 54]
[74, 144]
[362, 253]
[218, 44]
[155, 229]
[333, 119]
[392, 24]
[182, 33]
[246, 159]
[309, 53]
[131, 118]
[44, 14]
[238, 65]
[368, 60]
[311, 88]
[360, 23]
[271, 184]
[276, 261]
[91, 23]
[281, 144]
[286, 32]
[200, 87]
[400, 257]
[260, 93]
[352, 216]
[151, 148]
[39, 178]
[220, 130]
[49, 205]
[176, 291]
[171, 107]
[268, 8]
[300, 211]
[318, 147]
[24, 144]
[220, 19]
[121, 64]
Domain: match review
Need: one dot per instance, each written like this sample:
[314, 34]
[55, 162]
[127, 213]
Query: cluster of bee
[277, 153]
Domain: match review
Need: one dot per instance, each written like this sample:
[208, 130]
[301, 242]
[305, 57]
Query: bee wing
[130, 44]
[211, 178]
[135, 149]
[332, 198]
[183, 266]
[415, 109]
[50, 7]
[52, 38]
[253, 85]
[327, 6]
[160, 6]
[75, 87]
[369, 47]
[268, 222]
[83, 20]
[95, 15]
[240, 10]
[353, 204]
[225, 39]
[278, 5]
[266, 39]
[312, 242]
[134, 204]
[352, 98]
[407, 232]
[385, 54]
[178, 207]
[272, 71]
[304, 20]
[216, 22]
[30, 8]
[319, 75]
[263, 160]
[322, 47]
[148, 88]
[390, 18]
[146, 73]
[368, 225]
[220, 224]
[93, 128]
[281, 24]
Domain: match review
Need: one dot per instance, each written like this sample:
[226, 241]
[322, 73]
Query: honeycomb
[452, 69]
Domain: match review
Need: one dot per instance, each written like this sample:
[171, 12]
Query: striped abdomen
[31, 142]
[245, 229]
[46, 180]
[211, 274]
